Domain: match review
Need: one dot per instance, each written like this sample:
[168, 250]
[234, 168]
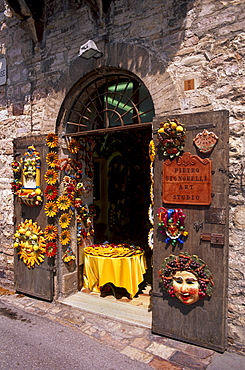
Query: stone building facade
[164, 44]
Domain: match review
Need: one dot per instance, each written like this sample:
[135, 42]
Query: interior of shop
[121, 195]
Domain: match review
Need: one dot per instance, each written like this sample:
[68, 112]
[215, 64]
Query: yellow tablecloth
[126, 272]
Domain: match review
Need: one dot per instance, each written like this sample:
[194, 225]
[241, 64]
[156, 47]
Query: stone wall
[167, 42]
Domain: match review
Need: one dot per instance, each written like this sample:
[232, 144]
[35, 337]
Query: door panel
[204, 322]
[37, 281]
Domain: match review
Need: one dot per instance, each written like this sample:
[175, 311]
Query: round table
[126, 272]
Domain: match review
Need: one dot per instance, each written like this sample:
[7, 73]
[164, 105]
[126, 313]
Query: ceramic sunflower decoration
[51, 192]
[65, 237]
[51, 249]
[50, 232]
[51, 176]
[65, 220]
[30, 243]
[50, 209]
[52, 140]
[63, 202]
[52, 159]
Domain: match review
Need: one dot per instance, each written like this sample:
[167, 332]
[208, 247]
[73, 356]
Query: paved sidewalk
[134, 341]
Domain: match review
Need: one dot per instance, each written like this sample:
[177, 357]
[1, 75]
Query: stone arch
[135, 59]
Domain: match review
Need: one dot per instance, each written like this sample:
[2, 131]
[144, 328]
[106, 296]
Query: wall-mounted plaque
[205, 141]
[187, 180]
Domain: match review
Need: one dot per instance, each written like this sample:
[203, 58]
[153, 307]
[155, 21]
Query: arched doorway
[113, 110]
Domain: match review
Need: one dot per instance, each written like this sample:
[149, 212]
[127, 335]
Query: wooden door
[204, 322]
[37, 281]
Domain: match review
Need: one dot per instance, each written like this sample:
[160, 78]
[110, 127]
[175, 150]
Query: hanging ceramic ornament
[172, 221]
[186, 277]
[171, 135]
[205, 141]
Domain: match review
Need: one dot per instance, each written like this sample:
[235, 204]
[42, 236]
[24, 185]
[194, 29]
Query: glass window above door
[108, 102]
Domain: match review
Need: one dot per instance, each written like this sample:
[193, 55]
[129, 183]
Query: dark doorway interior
[122, 179]
[122, 190]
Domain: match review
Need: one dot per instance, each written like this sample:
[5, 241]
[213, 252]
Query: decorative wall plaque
[187, 180]
[205, 141]
[186, 277]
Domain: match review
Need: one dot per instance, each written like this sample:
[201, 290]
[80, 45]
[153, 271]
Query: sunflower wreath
[30, 243]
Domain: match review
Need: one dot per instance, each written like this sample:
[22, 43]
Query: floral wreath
[30, 242]
[190, 263]
[171, 135]
[173, 222]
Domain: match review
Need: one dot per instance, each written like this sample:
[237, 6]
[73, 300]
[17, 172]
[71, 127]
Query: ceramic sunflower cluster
[30, 243]
[75, 187]
[51, 193]
[72, 175]
[171, 135]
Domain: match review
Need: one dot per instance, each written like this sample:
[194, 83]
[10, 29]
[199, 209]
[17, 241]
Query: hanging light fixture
[90, 50]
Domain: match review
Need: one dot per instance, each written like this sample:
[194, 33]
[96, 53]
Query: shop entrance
[121, 196]
[110, 112]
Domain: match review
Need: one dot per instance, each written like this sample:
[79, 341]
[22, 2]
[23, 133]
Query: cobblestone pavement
[136, 342]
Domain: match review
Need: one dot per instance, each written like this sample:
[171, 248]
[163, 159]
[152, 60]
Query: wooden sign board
[187, 180]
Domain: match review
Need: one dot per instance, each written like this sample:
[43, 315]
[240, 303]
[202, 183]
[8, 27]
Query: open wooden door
[37, 281]
[203, 322]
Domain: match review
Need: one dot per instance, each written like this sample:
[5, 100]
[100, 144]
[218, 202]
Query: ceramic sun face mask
[186, 287]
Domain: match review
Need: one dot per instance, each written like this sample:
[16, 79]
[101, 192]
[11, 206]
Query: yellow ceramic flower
[52, 159]
[65, 220]
[50, 209]
[51, 176]
[51, 232]
[63, 202]
[65, 237]
[74, 146]
[52, 140]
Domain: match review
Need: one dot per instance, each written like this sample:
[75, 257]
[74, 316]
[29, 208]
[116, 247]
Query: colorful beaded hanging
[172, 221]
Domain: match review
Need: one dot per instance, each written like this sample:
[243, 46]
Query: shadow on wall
[142, 57]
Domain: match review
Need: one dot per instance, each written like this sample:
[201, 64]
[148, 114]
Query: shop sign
[187, 180]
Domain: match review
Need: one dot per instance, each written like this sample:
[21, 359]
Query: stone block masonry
[202, 40]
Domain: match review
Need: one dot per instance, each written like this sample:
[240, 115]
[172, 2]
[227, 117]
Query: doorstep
[110, 308]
